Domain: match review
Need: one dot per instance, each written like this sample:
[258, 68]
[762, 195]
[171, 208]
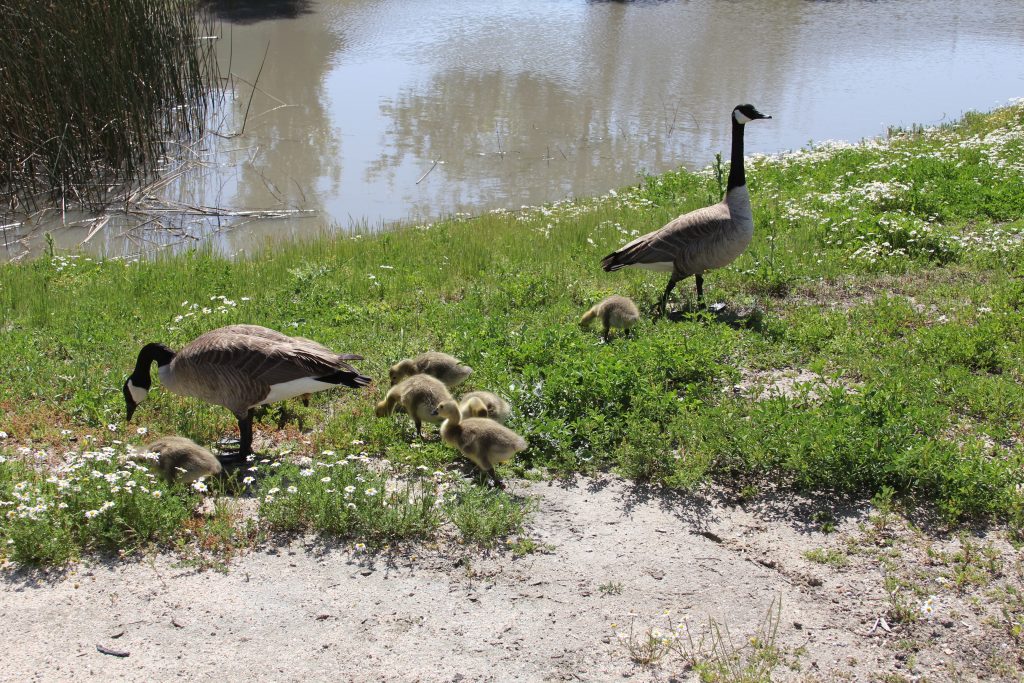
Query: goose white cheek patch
[741, 118]
[138, 394]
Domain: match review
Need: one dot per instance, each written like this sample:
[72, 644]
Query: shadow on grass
[738, 318]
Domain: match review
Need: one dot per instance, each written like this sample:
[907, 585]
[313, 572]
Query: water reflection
[370, 111]
[248, 11]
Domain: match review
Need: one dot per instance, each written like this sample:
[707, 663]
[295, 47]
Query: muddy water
[373, 111]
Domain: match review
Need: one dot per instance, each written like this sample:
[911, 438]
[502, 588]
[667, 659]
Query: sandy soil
[449, 613]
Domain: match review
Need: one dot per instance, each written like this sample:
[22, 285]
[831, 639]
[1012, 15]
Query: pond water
[368, 112]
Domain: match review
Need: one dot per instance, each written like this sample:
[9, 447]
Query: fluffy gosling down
[180, 460]
[615, 311]
[419, 396]
[483, 441]
[485, 404]
[448, 369]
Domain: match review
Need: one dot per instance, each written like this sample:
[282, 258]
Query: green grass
[891, 269]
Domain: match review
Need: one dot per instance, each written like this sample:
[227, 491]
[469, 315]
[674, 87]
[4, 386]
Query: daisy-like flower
[112, 427]
[927, 608]
[200, 486]
[141, 431]
[327, 453]
[65, 432]
[293, 489]
[351, 506]
[3, 435]
[371, 491]
[248, 480]
[308, 472]
[157, 494]
[325, 480]
[360, 547]
[89, 514]
[350, 489]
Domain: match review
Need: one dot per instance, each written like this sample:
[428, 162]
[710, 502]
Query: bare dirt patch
[610, 552]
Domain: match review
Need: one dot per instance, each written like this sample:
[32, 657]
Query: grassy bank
[872, 341]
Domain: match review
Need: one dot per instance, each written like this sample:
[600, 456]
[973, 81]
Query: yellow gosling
[485, 404]
[448, 369]
[419, 396]
[180, 460]
[615, 311]
[483, 441]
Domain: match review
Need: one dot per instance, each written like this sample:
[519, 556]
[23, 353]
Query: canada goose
[180, 459]
[241, 367]
[419, 395]
[700, 240]
[615, 311]
[485, 404]
[448, 369]
[480, 439]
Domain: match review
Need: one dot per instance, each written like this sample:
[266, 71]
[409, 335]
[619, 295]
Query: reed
[95, 93]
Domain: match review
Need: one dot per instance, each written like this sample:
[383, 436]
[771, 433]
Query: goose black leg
[245, 435]
[700, 291]
[664, 297]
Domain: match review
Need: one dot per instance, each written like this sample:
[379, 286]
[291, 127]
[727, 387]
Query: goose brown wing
[259, 359]
[274, 335]
[675, 239]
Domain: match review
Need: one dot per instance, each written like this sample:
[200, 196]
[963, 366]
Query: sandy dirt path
[306, 612]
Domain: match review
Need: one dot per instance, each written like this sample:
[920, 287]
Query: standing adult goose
[241, 367]
[698, 241]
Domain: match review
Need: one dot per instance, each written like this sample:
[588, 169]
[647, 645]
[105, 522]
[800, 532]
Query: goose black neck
[737, 178]
[149, 354]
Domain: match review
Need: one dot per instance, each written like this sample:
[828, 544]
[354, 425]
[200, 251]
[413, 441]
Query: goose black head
[745, 113]
[136, 387]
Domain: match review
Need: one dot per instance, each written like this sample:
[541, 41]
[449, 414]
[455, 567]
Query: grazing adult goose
[241, 367]
[615, 311]
[698, 241]
[180, 459]
[485, 404]
[480, 439]
[448, 369]
[419, 396]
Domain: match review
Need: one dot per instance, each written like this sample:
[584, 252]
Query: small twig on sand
[114, 653]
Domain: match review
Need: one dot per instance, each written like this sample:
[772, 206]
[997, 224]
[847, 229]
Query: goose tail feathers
[346, 377]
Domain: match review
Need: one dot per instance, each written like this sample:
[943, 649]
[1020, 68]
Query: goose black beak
[129, 403]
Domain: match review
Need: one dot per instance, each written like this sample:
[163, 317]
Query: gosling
[419, 396]
[485, 404]
[448, 369]
[485, 442]
[615, 311]
[180, 460]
